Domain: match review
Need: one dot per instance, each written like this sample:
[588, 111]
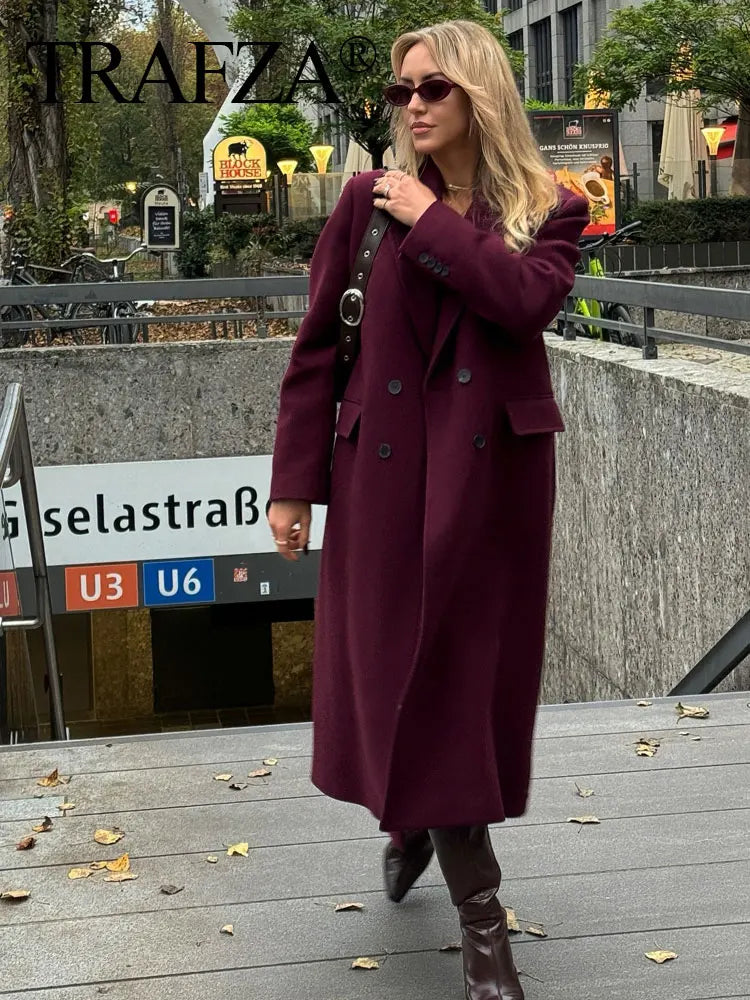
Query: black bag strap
[352, 302]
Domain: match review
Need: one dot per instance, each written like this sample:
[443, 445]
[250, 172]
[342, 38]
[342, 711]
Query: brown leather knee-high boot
[473, 875]
[404, 860]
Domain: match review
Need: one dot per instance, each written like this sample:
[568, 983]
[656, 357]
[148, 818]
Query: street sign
[184, 581]
[161, 218]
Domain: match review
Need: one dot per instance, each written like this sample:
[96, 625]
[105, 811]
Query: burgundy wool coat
[439, 475]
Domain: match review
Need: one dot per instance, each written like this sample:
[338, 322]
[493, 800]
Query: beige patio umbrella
[358, 159]
[681, 145]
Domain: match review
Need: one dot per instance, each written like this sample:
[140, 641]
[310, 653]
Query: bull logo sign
[239, 158]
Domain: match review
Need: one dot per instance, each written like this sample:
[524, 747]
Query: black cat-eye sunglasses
[430, 91]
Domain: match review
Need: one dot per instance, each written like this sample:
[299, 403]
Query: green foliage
[251, 240]
[281, 129]
[45, 235]
[700, 220]
[531, 104]
[192, 257]
[331, 25]
[298, 238]
[644, 43]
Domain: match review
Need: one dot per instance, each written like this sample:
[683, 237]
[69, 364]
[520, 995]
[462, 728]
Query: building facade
[555, 35]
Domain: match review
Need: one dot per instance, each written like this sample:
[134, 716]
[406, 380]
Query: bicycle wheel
[628, 337]
[88, 310]
[122, 332]
[14, 314]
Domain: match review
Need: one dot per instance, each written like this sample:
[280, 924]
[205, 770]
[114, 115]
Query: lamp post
[322, 155]
[712, 134]
[287, 167]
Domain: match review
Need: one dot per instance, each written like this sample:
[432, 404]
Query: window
[570, 23]
[515, 4]
[541, 42]
[515, 40]
[491, 6]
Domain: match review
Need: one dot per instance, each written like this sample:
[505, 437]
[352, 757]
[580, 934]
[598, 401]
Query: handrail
[16, 464]
[726, 654]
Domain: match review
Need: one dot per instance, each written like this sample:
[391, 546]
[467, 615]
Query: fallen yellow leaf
[690, 711]
[238, 849]
[348, 906]
[80, 872]
[660, 956]
[536, 929]
[15, 895]
[212, 859]
[227, 929]
[238, 785]
[120, 877]
[583, 819]
[643, 704]
[453, 946]
[262, 772]
[25, 844]
[512, 919]
[222, 777]
[50, 781]
[108, 836]
[44, 827]
[365, 963]
[66, 805]
[121, 864]
[270, 761]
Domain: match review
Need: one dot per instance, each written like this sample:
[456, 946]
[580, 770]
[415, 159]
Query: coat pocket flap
[534, 415]
[349, 414]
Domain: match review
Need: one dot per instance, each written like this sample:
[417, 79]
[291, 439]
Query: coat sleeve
[307, 405]
[520, 292]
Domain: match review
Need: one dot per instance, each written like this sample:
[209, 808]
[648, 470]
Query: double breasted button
[384, 451]
[464, 375]
[445, 270]
[430, 261]
[394, 386]
[479, 441]
[423, 257]
[437, 266]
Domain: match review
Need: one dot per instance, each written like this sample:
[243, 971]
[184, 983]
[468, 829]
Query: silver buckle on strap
[357, 296]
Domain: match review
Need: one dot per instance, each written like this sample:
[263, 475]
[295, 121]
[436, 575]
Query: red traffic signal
[114, 216]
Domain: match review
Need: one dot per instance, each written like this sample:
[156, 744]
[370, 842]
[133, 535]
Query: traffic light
[114, 216]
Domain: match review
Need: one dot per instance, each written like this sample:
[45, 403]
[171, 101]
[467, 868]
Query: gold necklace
[459, 187]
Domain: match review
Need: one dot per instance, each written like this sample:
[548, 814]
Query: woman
[440, 481]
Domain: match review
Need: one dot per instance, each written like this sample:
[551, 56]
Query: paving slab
[667, 866]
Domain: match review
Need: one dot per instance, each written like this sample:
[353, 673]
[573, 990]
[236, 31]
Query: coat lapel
[432, 316]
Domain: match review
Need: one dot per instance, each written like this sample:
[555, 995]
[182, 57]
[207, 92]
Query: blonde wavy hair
[510, 173]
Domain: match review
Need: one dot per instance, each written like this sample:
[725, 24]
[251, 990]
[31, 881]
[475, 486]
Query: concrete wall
[652, 533]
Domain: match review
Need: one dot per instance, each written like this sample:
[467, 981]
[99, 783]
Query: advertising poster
[581, 149]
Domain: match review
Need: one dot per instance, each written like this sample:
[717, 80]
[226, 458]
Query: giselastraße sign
[153, 534]
[161, 218]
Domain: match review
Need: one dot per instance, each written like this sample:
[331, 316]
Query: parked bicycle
[113, 269]
[83, 265]
[591, 264]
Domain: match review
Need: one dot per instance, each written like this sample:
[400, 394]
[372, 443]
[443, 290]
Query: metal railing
[694, 300]
[731, 304]
[16, 464]
[726, 303]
